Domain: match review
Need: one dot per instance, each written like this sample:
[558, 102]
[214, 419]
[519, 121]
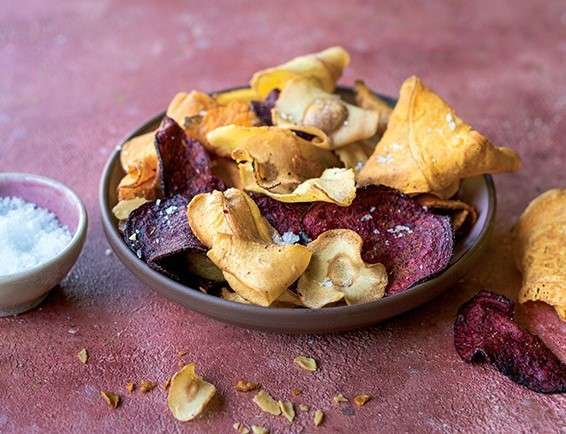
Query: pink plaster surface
[76, 76]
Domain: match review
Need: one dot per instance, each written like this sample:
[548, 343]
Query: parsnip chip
[361, 399]
[334, 185]
[245, 94]
[282, 160]
[325, 66]
[111, 398]
[461, 212]
[82, 355]
[230, 212]
[368, 100]
[540, 253]
[188, 394]
[428, 149]
[123, 208]
[337, 271]
[287, 410]
[306, 363]
[256, 429]
[318, 417]
[266, 403]
[246, 386]
[302, 102]
[257, 271]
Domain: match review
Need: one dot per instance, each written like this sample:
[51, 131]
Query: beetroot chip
[263, 108]
[285, 217]
[184, 165]
[485, 331]
[159, 233]
[412, 243]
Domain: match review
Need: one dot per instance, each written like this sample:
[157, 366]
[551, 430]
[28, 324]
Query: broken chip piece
[130, 387]
[325, 66]
[188, 394]
[540, 254]
[147, 386]
[428, 149]
[243, 94]
[361, 399]
[337, 271]
[318, 417]
[484, 330]
[266, 403]
[111, 398]
[339, 398]
[246, 386]
[412, 243]
[287, 410]
[256, 429]
[82, 355]
[307, 363]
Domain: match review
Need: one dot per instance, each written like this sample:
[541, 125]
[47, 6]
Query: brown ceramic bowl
[478, 191]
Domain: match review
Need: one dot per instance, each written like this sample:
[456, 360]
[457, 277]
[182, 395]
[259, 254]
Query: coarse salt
[287, 238]
[29, 235]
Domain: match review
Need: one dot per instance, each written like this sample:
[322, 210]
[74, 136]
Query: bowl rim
[116, 241]
[76, 237]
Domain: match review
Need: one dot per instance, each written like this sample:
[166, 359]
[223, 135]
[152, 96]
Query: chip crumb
[361, 399]
[256, 429]
[340, 398]
[147, 386]
[296, 391]
[83, 356]
[307, 363]
[112, 399]
[188, 394]
[130, 387]
[246, 386]
[167, 383]
[287, 410]
[241, 428]
[304, 407]
[266, 403]
[318, 417]
[181, 353]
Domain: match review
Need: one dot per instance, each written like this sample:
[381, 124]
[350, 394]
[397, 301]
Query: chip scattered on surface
[296, 392]
[303, 102]
[256, 429]
[287, 410]
[361, 400]
[111, 398]
[540, 250]
[130, 387]
[318, 417]
[325, 66]
[241, 428]
[428, 149]
[138, 158]
[337, 271]
[307, 363]
[304, 407]
[339, 398]
[484, 330]
[188, 394]
[82, 355]
[266, 403]
[147, 386]
[246, 386]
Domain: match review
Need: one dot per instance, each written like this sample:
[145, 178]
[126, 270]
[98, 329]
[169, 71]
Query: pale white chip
[318, 417]
[287, 410]
[266, 403]
[82, 355]
[188, 394]
[307, 363]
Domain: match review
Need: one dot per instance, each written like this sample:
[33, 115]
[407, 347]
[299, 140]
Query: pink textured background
[76, 76]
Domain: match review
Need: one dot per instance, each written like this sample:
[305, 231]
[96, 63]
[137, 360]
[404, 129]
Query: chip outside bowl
[26, 289]
[480, 191]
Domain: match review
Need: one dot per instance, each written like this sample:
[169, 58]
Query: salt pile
[29, 235]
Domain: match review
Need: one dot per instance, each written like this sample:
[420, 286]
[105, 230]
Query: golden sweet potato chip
[334, 185]
[325, 66]
[287, 410]
[138, 149]
[138, 158]
[111, 398]
[282, 160]
[428, 149]
[540, 253]
[186, 105]
[229, 212]
[306, 363]
[188, 394]
[302, 102]
[460, 211]
[361, 399]
[337, 271]
[245, 94]
[241, 428]
[123, 208]
[258, 271]
[266, 403]
[246, 386]
[368, 100]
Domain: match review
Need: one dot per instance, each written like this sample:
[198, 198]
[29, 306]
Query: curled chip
[412, 243]
[337, 271]
[123, 208]
[428, 149]
[368, 100]
[282, 160]
[334, 185]
[302, 102]
[325, 66]
[188, 394]
[263, 108]
[485, 331]
[229, 212]
[184, 165]
[460, 212]
[266, 403]
[540, 253]
[258, 271]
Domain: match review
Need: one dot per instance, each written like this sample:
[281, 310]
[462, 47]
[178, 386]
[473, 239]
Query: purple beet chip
[484, 330]
[184, 164]
[412, 243]
[263, 108]
[285, 217]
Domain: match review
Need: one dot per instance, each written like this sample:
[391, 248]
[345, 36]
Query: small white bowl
[24, 290]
